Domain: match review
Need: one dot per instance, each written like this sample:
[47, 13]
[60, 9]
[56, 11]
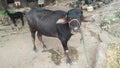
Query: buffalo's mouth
[75, 31]
[74, 24]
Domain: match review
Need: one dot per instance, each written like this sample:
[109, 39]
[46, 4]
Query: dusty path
[16, 50]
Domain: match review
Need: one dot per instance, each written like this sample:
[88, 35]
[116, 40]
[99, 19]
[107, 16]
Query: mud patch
[73, 53]
[55, 56]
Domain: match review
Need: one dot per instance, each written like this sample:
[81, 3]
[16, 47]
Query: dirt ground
[16, 48]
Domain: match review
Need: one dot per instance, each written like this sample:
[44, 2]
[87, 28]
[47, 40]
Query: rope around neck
[86, 55]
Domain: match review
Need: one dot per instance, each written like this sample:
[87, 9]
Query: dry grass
[113, 55]
[73, 53]
[56, 55]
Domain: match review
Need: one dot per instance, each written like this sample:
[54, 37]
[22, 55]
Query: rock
[100, 4]
[106, 1]
[25, 9]
[90, 8]
[88, 19]
[94, 28]
[107, 38]
[101, 56]
[84, 7]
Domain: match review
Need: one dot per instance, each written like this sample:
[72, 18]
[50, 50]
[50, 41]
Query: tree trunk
[3, 4]
[23, 3]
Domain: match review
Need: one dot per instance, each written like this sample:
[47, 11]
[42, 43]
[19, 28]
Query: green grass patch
[2, 12]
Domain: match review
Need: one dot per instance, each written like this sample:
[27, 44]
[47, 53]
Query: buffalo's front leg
[64, 43]
[22, 21]
[14, 22]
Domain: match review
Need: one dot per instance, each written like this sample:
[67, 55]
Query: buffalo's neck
[64, 30]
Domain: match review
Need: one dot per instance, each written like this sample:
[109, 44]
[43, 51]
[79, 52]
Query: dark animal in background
[15, 16]
[54, 24]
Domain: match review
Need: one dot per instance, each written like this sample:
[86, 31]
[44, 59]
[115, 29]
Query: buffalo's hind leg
[33, 31]
[40, 39]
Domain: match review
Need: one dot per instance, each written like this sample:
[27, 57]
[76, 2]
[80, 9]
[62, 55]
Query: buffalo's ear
[61, 21]
[88, 19]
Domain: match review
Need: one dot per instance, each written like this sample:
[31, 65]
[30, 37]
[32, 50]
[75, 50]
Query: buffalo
[56, 23]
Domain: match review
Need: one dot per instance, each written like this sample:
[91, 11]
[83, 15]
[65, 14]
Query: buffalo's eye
[69, 18]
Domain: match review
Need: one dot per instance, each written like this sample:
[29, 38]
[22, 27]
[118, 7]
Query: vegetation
[4, 14]
[111, 24]
[113, 55]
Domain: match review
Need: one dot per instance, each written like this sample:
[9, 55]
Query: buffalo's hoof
[35, 49]
[69, 61]
[44, 46]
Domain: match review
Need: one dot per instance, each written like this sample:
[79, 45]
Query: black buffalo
[54, 24]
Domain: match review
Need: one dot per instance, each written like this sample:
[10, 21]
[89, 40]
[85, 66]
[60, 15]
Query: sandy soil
[16, 51]
[16, 48]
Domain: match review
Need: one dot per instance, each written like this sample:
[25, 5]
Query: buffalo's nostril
[76, 28]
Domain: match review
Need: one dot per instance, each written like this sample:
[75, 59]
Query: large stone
[106, 1]
[101, 56]
[107, 38]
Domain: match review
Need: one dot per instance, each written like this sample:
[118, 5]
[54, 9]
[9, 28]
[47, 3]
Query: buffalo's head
[74, 18]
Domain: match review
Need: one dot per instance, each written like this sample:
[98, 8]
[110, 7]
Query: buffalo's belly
[52, 32]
